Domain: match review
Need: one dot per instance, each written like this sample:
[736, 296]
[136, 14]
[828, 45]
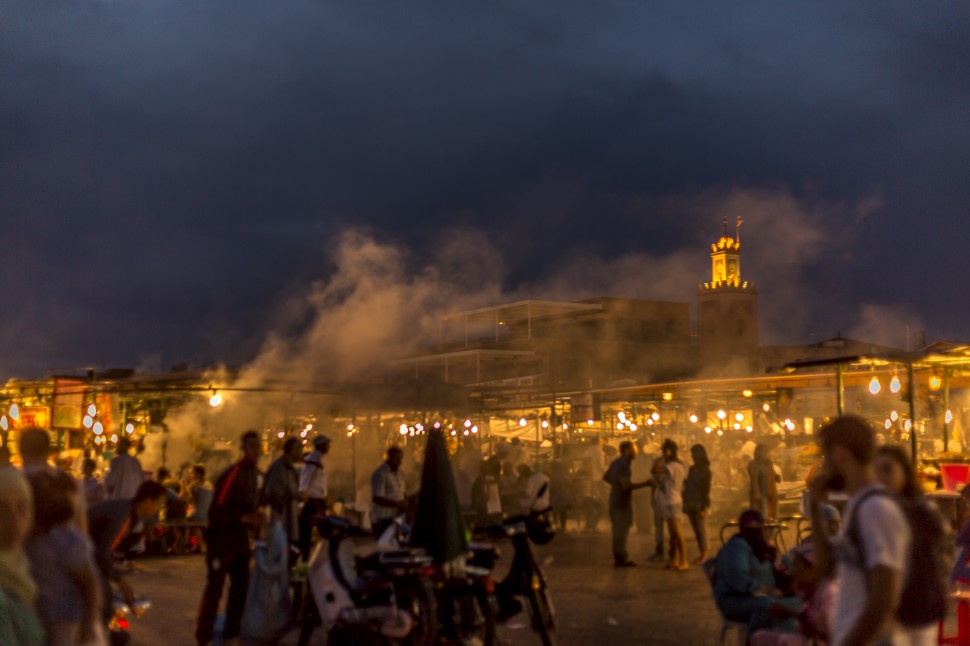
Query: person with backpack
[874, 551]
[927, 585]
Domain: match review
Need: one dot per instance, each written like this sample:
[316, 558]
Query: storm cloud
[174, 174]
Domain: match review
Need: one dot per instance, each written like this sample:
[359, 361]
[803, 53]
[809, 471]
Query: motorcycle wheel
[543, 616]
[417, 597]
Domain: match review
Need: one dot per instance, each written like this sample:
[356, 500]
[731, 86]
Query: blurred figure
[643, 500]
[388, 491]
[19, 623]
[233, 516]
[486, 493]
[62, 560]
[198, 493]
[4, 457]
[594, 468]
[90, 485]
[697, 497]
[620, 478]
[35, 449]
[763, 482]
[561, 492]
[536, 494]
[125, 474]
[117, 526]
[281, 488]
[894, 471]
[670, 474]
[313, 491]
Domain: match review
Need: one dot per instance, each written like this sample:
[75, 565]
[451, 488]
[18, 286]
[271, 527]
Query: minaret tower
[727, 306]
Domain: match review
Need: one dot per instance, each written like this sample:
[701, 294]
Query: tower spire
[740, 222]
[724, 223]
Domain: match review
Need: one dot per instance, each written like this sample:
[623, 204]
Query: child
[62, 563]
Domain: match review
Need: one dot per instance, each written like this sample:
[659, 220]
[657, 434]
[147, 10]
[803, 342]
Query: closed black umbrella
[438, 526]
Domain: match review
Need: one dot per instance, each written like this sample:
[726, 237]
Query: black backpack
[926, 588]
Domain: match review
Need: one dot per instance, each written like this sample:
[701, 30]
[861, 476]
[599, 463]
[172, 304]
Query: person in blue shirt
[746, 588]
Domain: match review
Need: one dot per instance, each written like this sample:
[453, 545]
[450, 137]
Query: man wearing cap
[313, 491]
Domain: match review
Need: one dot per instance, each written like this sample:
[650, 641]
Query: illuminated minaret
[727, 306]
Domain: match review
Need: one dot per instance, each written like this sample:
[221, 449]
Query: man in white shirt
[125, 474]
[870, 579]
[313, 491]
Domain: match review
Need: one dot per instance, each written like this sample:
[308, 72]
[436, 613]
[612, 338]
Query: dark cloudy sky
[174, 172]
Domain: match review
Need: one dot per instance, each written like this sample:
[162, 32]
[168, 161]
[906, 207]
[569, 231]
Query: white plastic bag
[267, 613]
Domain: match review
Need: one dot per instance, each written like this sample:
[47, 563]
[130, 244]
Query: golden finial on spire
[725, 226]
[740, 222]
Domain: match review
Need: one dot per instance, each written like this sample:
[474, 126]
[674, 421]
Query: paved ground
[595, 604]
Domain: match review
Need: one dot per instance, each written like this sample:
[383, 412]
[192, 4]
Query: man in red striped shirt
[234, 514]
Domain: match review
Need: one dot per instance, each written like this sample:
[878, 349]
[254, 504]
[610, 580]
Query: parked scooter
[384, 599]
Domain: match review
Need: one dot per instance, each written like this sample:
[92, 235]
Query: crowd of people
[848, 582]
[874, 573]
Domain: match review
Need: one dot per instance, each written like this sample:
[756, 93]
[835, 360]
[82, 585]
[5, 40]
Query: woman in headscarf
[18, 593]
[697, 497]
[745, 587]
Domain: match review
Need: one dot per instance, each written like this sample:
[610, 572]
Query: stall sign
[67, 408]
[34, 417]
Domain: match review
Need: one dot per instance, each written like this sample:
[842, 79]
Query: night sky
[176, 176]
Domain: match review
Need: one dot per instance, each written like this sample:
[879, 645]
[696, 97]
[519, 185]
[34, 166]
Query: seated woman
[746, 588]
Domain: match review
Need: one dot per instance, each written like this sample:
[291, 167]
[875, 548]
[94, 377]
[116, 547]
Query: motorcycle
[384, 599]
[464, 591]
[525, 578]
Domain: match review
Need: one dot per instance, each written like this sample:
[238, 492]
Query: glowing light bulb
[894, 416]
[739, 417]
[737, 427]
[935, 382]
[721, 414]
[894, 385]
[948, 417]
[545, 424]
[621, 416]
[468, 423]
[655, 417]
[589, 422]
[129, 428]
[4, 424]
[633, 427]
[474, 429]
[874, 386]
[720, 432]
[707, 429]
[766, 407]
[88, 421]
[889, 424]
[747, 393]
[668, 396]
[749, 429]
[14, 411]
[908, 424]
[619, 426]
[403, 430]
[92, 410]
[693, 418]
[522, 422]
[98, 428]
[114, 438]
[216, 400]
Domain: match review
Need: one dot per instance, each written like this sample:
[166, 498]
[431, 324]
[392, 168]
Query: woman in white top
[669, 474]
